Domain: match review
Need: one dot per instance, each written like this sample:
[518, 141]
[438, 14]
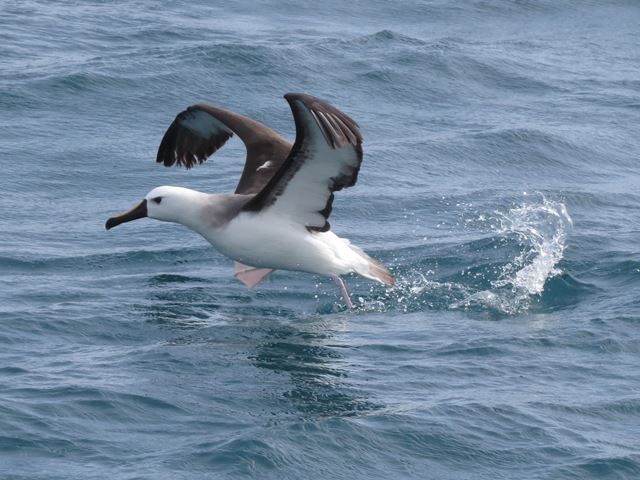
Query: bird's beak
[139, 211]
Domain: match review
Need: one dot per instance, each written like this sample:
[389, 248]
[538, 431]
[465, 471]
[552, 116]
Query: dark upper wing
[325, 158]
[200, 130]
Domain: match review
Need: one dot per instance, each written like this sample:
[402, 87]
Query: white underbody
[268, 241]
[275, 238]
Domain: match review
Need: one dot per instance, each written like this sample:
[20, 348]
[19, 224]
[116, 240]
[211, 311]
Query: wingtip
[304, 97]
[291, 97]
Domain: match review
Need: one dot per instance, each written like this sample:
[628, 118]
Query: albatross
[277, 218]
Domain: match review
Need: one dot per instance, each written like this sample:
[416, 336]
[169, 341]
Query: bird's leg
[343, 289]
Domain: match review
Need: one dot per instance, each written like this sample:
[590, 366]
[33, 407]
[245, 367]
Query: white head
[169, 204]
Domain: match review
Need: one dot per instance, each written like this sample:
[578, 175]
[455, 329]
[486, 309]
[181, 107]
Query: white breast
[269, 241]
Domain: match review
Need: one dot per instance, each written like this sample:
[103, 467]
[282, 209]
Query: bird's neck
[207, 213]
[191, 211]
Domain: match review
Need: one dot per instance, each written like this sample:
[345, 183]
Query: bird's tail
[373, 269]
[377, 271]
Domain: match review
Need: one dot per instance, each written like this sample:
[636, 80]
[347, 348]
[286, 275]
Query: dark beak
[139, 211]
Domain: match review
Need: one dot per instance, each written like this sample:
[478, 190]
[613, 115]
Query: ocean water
[501, 184]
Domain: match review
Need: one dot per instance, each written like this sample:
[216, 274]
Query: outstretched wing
[325, 158]
[200, 130]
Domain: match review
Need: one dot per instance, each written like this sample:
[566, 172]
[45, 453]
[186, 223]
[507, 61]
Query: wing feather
[199, 131]
[325, 158]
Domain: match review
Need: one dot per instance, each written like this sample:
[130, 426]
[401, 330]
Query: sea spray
[542, 233]
[529, 239]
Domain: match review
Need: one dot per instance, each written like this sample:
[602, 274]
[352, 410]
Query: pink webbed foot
[250, 276]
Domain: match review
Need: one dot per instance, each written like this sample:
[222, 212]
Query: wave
[397, 60]
[624, 466]
[101, 260]
[507, 137]
[384, 38]
[385, 59]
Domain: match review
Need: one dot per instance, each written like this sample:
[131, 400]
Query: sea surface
[501, 184]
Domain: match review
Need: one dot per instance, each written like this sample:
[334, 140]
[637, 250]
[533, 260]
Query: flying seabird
[277, 218]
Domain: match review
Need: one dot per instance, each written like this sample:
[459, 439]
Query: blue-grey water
[501, 183]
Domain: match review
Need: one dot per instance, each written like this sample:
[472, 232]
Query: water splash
[536, 230]
[415, 291]
[542, 231]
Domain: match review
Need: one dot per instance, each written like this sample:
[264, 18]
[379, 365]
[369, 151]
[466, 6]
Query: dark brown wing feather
[200, 130]
[318, 164]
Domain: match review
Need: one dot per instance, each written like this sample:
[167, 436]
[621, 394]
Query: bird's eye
[157, 200]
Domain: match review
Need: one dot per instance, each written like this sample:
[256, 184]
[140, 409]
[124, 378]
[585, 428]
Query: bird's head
[169, 204]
